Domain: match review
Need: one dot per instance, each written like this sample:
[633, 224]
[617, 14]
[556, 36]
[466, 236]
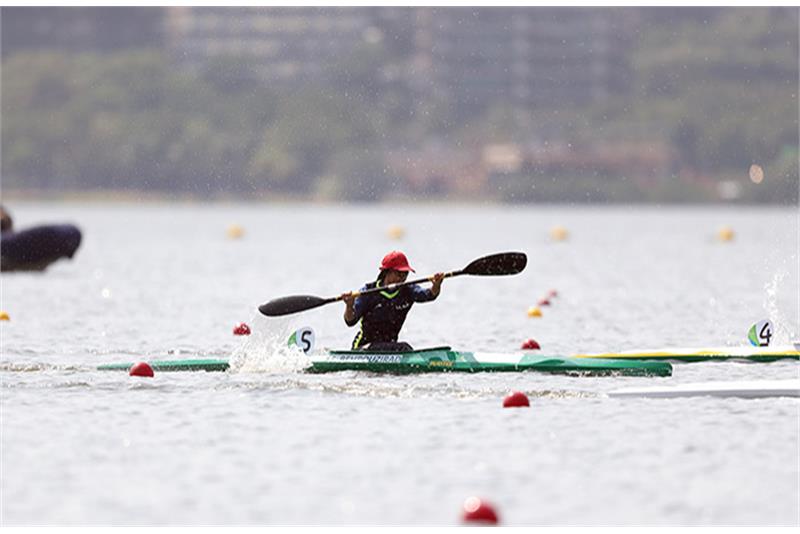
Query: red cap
[397, 261]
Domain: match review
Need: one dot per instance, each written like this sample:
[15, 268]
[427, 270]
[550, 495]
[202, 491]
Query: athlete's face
[395, 277]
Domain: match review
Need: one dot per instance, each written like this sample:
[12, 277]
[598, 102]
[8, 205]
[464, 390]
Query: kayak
[753, 389]
[35, 248]
[756, 354]
[447, 359]
[436, 359]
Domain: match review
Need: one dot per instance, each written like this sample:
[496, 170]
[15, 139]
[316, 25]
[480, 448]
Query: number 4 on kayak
[761, 333]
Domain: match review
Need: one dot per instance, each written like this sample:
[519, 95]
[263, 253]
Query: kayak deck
[436, 359]
[444, 359]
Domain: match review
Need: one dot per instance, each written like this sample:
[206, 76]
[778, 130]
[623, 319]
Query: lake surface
[269, 444]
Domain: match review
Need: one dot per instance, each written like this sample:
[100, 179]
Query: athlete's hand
[437, 283]
[349, 307]
[349, 299]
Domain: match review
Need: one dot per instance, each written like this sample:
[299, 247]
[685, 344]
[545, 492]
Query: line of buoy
[536, 311]
[477, 511]
[725, 234]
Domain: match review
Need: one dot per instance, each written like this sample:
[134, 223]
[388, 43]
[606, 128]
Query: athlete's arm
[349, 308]
[428, 294]
[355, 307]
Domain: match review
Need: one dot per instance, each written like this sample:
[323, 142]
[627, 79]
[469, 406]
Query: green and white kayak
[436, 359]
[755, 354]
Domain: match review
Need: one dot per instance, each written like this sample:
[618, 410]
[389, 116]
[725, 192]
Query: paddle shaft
[493, 265]
[393, 287]
[390, 287]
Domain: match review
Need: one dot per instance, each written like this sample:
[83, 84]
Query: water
[269, 444]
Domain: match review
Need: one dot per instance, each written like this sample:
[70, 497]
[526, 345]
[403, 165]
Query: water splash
[782, 334]
[266, 350]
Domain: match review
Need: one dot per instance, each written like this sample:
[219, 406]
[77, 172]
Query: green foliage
[130, 121]
[726, 91]
[300, 144]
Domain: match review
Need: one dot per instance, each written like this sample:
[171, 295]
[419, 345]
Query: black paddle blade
[289, 305]
[498, 264]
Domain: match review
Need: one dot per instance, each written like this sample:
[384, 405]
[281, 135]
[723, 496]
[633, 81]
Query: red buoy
[516, 400]
[141, 369]
[241, 329]
[552, 293]
[478, 511]
[530, 344]
[543, 302]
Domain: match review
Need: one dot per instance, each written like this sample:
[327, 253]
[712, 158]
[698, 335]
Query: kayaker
[382, 314]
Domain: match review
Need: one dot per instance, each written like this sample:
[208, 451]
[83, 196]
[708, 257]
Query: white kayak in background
[752, 389]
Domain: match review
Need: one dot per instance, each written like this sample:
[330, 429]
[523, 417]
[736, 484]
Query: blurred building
[523, 56]
[278, 45]
[471, 57]
[80, 29]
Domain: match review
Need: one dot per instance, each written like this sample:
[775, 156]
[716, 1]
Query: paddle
[501, 264]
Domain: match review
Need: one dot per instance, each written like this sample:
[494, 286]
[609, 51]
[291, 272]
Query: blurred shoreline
[10, 197]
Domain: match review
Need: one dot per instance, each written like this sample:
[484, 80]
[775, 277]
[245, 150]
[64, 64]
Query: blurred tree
[310, 128]
[231, 74]
[357, 174]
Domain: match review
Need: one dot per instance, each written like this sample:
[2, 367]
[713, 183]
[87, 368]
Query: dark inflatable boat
[36, 248]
